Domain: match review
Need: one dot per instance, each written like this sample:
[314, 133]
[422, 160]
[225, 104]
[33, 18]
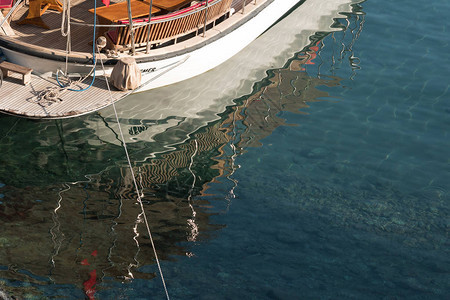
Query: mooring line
[134, 180]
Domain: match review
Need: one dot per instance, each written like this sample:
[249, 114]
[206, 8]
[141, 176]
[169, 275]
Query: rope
[65, 22]
[52, 95]
[134, 181]
[66, 19]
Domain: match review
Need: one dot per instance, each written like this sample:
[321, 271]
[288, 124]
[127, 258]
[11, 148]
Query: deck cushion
[112, 35]
[6, 3]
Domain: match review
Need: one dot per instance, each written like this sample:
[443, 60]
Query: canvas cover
[126, 74]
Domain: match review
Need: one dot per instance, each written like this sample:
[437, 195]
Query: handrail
[147, 49]
[154, 20]
[206, 18]
[135, 24]
[176, 14]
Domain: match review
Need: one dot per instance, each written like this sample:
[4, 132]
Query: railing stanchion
[147, 49]
[130, 20]
[206, 18]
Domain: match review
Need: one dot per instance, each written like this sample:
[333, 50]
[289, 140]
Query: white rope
[65, 22]
[134, 180]
[66, 32]
[65, 29]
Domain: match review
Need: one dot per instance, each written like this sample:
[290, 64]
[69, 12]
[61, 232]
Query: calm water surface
[330, 180]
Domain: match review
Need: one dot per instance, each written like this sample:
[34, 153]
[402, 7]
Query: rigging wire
[134, 182]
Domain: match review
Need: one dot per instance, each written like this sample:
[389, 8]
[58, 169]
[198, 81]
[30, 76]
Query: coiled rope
[134, 180]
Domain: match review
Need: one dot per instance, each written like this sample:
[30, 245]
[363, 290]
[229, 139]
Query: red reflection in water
[89, 285]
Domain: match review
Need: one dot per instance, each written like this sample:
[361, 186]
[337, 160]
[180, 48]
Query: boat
[170, 130]
[62, 57]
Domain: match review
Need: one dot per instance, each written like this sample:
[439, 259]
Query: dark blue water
[329, 181]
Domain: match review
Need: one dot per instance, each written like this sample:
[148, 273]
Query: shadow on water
[68, 209]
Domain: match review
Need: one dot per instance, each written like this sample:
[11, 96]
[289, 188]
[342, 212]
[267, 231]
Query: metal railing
[206, 6]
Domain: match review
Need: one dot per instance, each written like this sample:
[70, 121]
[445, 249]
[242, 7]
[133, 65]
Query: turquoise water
[329, 181]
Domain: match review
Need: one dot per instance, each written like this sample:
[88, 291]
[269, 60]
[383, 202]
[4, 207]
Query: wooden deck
[24, 101]
[81, 35]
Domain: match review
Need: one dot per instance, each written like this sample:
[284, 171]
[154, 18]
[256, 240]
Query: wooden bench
[169, 26]
[7, 67]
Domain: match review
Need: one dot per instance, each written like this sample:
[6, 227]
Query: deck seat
[6, 68]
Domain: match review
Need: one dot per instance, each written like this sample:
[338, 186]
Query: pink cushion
[6, 3]
[170, 15]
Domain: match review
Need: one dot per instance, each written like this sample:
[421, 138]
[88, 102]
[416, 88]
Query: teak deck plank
[24, 102]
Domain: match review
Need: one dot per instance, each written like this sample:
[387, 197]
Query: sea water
[330, 180]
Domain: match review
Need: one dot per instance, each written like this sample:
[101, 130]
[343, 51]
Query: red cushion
[112, 34]
[170, 15]
[6, 3]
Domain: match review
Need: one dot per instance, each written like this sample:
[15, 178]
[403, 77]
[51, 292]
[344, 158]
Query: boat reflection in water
[91, 231]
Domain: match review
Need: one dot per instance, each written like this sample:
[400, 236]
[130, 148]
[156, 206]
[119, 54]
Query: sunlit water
[330, 180]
